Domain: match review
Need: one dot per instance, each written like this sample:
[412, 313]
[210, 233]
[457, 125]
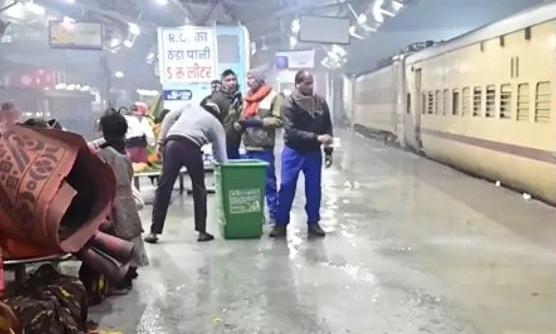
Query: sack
[96, 284]
[50, 303]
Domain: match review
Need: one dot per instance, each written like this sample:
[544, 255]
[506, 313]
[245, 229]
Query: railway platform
[413, 246]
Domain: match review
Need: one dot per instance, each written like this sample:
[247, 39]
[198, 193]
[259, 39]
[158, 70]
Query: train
[482, 102]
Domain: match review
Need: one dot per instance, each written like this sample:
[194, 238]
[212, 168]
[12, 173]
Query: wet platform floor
[412, 247]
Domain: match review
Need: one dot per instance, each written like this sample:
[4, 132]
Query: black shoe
[152, 238]
[204, 237]
[278, 231]
[316, 231]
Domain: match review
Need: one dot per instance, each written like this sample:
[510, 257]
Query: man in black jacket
[307, 126]
[226, 103]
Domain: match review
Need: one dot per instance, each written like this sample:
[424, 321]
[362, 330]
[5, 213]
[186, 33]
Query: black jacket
[228, 109]
[303, 128]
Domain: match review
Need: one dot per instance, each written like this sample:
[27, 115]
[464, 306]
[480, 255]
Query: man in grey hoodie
[182, 135]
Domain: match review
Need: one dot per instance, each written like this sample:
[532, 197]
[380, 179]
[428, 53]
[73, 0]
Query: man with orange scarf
[259, 120]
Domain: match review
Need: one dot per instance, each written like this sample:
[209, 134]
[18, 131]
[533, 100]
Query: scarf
[305, 102]
[253, 100]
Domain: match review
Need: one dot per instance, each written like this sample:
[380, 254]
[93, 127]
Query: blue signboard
[281, 63]
[178, 95]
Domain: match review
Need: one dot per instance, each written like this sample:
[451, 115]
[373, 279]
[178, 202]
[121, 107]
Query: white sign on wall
[187, 55]
[298, 59]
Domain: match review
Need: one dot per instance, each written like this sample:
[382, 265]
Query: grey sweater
[196, 124]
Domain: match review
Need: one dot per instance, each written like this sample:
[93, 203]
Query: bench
[19, 267]
[209, 169]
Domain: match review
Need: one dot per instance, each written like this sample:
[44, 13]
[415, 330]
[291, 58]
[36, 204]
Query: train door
[412, 84]
[401, 101]
[418, 107]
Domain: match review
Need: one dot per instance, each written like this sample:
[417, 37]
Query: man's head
[255, 79]
[229, 80]
[215, 85]
[9, 115]
[113, 125]
[305, 82]
[140, 109]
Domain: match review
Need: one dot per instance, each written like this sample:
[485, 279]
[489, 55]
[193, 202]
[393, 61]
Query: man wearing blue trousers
[307, 126]
[259, 120]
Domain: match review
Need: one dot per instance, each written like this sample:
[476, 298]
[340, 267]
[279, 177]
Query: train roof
[519, 21]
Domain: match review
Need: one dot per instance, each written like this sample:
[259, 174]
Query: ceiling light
[70, 1]
[147, 92]
[353, 33]
[68, 19]
[362, 18]
[85, 88]
[368, 28]
[264, 47]
[71, 87]
[377, 11]
[397, 6]
[134, 29]
[119, 74]
[34, 8]
[17, 11]
[339, 50]
[293, 42]
[115, 42]
[296, 26]
[61, 85]
[128, 43]
[162, 2]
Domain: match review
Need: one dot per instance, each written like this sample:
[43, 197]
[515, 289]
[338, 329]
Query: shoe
[271, 222]
[204, 237]
[278, 231]
[152, 238]
[316, 231]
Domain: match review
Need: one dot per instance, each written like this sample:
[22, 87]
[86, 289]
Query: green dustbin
[240, 191]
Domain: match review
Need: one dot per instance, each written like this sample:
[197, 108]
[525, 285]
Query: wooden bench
[209, 169]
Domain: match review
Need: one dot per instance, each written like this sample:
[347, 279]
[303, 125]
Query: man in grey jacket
[182, 135]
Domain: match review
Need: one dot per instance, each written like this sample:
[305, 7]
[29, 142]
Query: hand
[160, 152]
[325, 139]
[238, 127]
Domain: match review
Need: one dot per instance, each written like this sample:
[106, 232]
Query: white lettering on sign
[187, 54]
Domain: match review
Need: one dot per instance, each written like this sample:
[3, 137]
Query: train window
[506, 101]
[523, 103]
[502, 41]
[408, 104]
[465, 101]
[528, 33]
[490, 101]
[456, 103]
[430, 103]
[542, 102]
[477, 100]
[424, 104]
[438, 105]
[446, 102]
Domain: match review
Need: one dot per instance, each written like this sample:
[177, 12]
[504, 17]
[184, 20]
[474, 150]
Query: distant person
[139, 134]
[183, 134]
[260, 118]
[9, 115]
[307, 126]
[226, 103]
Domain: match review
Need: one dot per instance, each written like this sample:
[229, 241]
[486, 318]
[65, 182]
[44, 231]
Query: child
[126, 223]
